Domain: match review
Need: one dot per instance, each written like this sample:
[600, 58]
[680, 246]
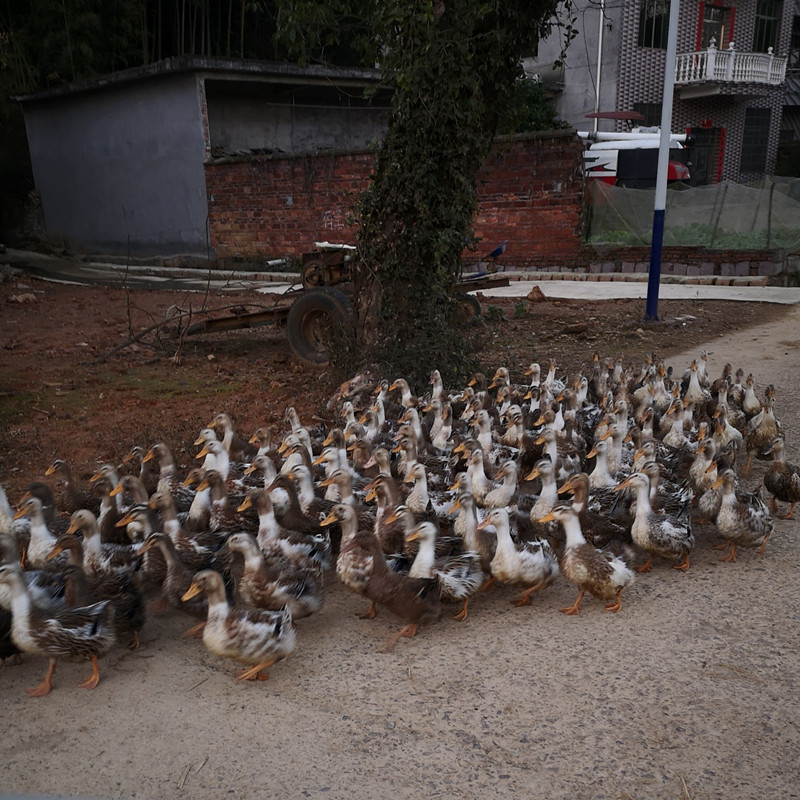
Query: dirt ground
[690, 692]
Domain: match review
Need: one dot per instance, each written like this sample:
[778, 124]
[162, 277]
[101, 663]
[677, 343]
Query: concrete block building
[120, 161]
[737, 62]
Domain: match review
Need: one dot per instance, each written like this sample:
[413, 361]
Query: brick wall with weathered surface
[530, 192]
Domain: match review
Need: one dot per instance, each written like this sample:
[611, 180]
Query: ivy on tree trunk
[453, 67]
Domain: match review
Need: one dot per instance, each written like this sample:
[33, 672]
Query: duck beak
[533, 474]
[116, 490]
[329, 520]
[145, 546]
[717, 483]
[245, 504]
[548, 518]
[191, 592]
[484, 524]
[623, 485]
[202, 453]
[53, 553]
[592, 453]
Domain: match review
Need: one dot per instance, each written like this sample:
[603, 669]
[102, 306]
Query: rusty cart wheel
[316, 273]
[317, 319]
[469, 307]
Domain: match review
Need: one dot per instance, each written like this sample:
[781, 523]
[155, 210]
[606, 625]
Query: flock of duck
[414, 501]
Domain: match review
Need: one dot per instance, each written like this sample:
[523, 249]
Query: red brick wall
[530, 193]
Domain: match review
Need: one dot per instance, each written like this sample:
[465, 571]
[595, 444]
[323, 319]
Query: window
[651, 113]
[754, 140]
[794, 46]
[768, 14]
[717, 24]
[654, 24]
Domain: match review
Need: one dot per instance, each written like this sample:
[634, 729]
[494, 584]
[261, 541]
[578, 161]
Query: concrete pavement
[578, 286]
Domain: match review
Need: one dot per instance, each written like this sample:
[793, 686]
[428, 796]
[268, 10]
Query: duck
[123, 593]
[238, 448]
[292, 517]
[407, 399]
[482, 542]
[604, 519]
[564, 456]
[416, 601]
[176, 576]
[459, 576]
[598, 572]
[310, 504]
[144, 470]
[101, 558]
[73, 496]
[214, 456]
[751, 405]
[479, 481]
[196, 548]
[223, 516]
[503, 495]
[743, 519]
[276, 584]
[600, 477]
[275, 541]
[168, 478]
[657, 534]
[419, 500]
[41, 538]
[762, 432]
[353, 565]
[255, 636]
[548, 495]
[530, 564]
[82, 633]
[782, 479]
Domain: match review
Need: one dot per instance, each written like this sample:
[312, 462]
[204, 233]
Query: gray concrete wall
[580, 76]
[123, 163]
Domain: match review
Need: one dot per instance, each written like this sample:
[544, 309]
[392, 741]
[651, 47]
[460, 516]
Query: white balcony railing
[728, 66]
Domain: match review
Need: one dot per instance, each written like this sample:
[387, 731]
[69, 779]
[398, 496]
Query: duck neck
[423, 563]
[572, 529]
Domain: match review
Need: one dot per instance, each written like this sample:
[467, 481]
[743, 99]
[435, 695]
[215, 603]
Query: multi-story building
[730, 87]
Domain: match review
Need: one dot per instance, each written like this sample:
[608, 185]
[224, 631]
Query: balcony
[704, 71]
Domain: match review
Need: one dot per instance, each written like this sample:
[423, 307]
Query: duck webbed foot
[407, 632]
[256, 673]
[92, 681]
[615, 607]
[684, 565]
[732, 555]
[370, 612]
[575, 608]
[46, 685]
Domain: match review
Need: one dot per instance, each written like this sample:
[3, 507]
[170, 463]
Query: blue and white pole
[659, 209]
